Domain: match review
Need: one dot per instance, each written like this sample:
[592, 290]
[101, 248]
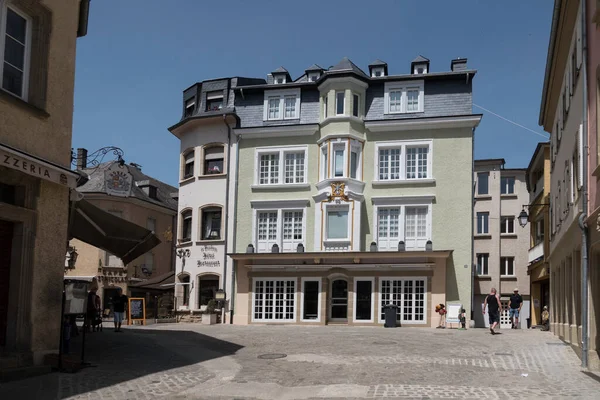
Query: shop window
[208, 286]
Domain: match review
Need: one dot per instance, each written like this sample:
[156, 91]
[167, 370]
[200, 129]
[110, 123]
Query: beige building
[148, 204]
[500, 244]
[36, 109]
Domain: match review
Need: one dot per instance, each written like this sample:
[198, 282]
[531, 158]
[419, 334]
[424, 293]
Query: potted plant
[210, 316]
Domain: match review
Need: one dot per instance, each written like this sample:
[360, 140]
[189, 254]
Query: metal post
[62, 326]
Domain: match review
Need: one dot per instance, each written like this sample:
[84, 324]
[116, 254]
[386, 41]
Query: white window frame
[377, 70]
[504, 266]
[314, 76]
[336, 146]
[281, 95]
[403, 146]
[416, 69]
[279, 235]
[514, 192]
[4, 6]
[402, 205]
[355, 147]
[354, 298]
[343, 92]
[281, 151]
[504, 224]
[425, 320]
[320, 283]
[337, 207]
[324, 163]
[274, 280]
[485, 271]
[482, 226]
[404, 87]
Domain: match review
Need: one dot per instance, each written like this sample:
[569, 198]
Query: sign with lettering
[209, 257]
[118, 180]
[37, 168]
[137, 310]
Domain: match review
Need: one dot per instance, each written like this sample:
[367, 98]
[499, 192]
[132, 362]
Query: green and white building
[353, 190]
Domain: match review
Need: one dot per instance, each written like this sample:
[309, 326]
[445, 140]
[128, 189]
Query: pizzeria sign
[35, 167]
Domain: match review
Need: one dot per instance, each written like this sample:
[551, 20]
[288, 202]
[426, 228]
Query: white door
[266, 231]
[504, 316]
[415, 229]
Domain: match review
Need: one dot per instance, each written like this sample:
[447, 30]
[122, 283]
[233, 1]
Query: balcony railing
[536, 252]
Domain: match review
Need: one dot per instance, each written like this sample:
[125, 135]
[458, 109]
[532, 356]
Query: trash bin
[528, 323]
[390, 315]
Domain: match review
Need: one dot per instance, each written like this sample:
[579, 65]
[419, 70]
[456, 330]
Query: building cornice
[445, 122]
[293, 203]
[388, 200]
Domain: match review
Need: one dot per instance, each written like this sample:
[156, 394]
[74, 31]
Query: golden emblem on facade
[337, 192]
[168, 234]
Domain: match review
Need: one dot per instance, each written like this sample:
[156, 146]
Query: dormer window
[190, 105]
[377, 72]
[419, 69]
[281, 104]
[279, 79]
[214, 100]
[313, 77]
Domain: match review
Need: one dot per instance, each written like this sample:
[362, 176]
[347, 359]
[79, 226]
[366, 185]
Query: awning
[160, 282]
[108, 232]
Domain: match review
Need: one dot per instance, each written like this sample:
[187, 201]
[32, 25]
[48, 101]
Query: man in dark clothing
[119, 304]
[494, 309]
[515, 303]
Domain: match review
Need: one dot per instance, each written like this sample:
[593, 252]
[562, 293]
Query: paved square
[190, 361]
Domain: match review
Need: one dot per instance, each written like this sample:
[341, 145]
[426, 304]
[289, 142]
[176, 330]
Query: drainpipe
[473, 262]
[226, 207]
[584, 208]
[235, 199]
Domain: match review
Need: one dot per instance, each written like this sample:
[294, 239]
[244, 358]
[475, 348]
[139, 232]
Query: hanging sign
[118, 180]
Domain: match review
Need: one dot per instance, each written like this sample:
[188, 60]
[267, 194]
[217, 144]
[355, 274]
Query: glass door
[339, 300]
[363, 306]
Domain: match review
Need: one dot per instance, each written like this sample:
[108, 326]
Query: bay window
[283, 227]
[281, 104]
[277, 166]
[404, 97]
[338, 161]
[339, 103]
[344, 159]
[397, 161]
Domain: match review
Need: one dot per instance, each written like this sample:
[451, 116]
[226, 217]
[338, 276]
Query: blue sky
[139, 55]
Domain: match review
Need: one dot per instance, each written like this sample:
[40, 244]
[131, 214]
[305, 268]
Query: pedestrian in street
[492, 301]
[515, 303]
[119, 303]
[90, 315]
[545, 319]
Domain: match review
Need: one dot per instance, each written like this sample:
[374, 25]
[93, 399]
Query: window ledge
[187, 180]
[341, 118]
[405, 182]
[404, 112]
[336, 242]
[509, 235]
[483, 197]
[18, 102]
[509, 196]
[281, 119]
[212, 176]
[281, 186]
[185, 244]
[209, 241]
[482, 236]
[483, 277]
[508, 278]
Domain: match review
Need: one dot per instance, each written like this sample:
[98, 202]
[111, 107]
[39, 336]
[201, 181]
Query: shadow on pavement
[117, 358]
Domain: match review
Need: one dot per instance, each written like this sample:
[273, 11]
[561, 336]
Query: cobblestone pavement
[189, 361]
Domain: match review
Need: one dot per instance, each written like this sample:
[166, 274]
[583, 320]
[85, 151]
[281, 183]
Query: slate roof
[314, 67]
[377, 63]
[96, 184]
[420, 59]
[280, 70]
[345, 65]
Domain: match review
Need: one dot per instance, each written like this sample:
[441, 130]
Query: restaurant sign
[33, 166]
[118, 180]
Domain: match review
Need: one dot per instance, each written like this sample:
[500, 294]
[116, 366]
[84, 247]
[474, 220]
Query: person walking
[515, 303]
[119, 304]
[492, 301]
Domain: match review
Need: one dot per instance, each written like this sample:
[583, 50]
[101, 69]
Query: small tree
[211, 306]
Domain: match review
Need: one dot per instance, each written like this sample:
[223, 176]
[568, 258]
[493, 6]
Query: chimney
[458, 64]
[82, 158]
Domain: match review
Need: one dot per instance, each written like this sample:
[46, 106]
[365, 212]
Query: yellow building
[36, 115]
[538, 185]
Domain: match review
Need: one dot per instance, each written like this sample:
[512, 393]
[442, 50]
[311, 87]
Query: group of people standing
[95, 314]
[494, 307]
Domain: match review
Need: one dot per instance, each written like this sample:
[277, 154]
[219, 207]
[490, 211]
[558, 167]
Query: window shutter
[213, 153]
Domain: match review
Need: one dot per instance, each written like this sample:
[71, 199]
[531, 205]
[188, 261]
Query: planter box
[209, 319]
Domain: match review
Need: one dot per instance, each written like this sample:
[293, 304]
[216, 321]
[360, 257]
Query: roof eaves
[549, 57]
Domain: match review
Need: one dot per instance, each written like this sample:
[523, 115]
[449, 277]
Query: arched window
[188, 162]
[186, 226]
[211, 222]
[207, 287]
[214, 159]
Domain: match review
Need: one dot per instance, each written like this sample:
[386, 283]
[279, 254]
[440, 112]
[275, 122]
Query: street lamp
[524, 217]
